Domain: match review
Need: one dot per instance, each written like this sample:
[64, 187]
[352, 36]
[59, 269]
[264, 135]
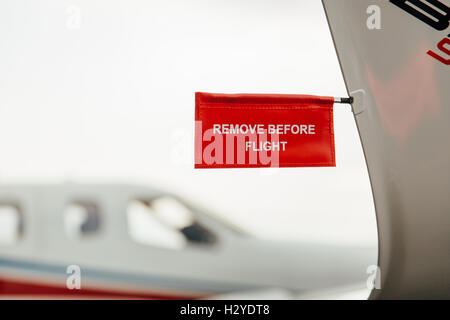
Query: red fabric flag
[263, 130]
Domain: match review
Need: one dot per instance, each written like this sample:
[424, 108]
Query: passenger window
[81, 219]
[165, 222]
[11, 224]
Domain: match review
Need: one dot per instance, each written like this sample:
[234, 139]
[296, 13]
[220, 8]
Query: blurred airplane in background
[134, 242]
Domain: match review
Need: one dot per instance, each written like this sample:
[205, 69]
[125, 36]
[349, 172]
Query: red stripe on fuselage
[18, 288]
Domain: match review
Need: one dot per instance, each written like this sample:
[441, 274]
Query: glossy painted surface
[402, 109]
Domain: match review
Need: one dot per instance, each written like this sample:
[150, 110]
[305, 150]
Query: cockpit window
[165, 222]
[81, 219]
[11, 224]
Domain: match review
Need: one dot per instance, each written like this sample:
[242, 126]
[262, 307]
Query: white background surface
[112, 99]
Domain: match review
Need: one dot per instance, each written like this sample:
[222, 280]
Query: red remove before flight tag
[263, 130]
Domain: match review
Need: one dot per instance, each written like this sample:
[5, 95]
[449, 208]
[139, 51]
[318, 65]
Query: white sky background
[113, 100]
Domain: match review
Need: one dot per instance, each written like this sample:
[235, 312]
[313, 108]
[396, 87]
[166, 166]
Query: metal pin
[348, 100]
